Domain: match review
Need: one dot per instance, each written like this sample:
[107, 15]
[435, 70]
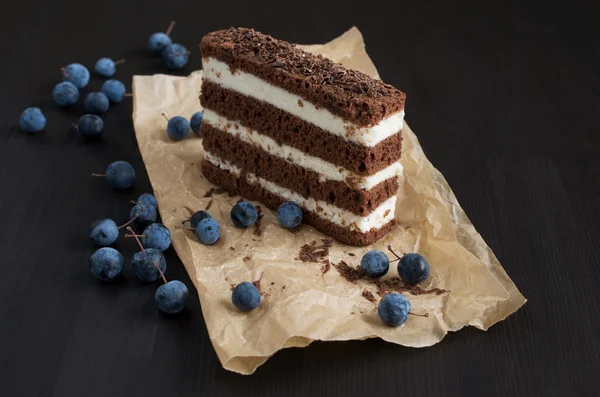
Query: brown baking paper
[300, 303]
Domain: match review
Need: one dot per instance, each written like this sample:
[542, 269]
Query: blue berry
[158, 42]
[178, 128]
[197, 217]
[172, 297]
[65, 94]
[106, 67]
[244, 214]
[77, 74]
[208, 231]
[196, 122]
[148, 199]
[104, 232]
[289, 214]
[375, 264]
[114, 90]
[120, 175]
[143, 214]
[157, 236]
[246, 296]
[175, 56]
[143, 267]
[393, 309]
[413, 268]
[32, 120]
[106, 264]
[90, 126]
[96, 102]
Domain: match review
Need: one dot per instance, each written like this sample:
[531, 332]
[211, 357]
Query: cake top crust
[349, 94]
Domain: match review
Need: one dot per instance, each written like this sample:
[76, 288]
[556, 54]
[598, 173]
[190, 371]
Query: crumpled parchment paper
[300, 302]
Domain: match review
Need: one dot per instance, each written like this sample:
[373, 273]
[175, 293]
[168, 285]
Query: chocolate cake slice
[282, 124]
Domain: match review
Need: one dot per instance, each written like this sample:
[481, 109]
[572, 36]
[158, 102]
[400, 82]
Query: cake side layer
[290, 130]
[326, 169]
[350, 94]
[252, 86]
[380, 216]
[239, 186]
[253, 159]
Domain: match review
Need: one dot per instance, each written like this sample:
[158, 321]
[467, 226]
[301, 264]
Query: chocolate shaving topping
[346, 92]
[368, 295]
[349, 273]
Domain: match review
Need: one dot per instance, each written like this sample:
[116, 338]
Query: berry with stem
[106, 67]
[89, 126]
[77, 74]
[106, 264]
[119, 175]
[149, 264]
[157, 42]
[178, 127]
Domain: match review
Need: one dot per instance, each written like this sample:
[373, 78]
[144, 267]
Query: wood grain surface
[505, 99]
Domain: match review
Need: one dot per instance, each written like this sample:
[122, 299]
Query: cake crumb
[210, 192]
[246, 258]
[349, 273]
[233, 286]
[231, 248]
[282, 288]
[325, 268]
[351, 254]
[272, 282]
[300, 103]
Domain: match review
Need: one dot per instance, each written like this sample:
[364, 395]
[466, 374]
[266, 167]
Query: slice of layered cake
[281, 124]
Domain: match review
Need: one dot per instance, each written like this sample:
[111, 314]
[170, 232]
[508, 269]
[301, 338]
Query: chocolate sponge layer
[288, 129]
[239, 186]
[254, 159]
[350, 94]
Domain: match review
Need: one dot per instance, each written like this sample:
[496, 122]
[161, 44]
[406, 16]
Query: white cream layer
[252, 86]
[375, 220]
[327, 170]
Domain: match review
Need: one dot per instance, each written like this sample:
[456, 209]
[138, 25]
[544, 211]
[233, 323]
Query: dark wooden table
[505, 100]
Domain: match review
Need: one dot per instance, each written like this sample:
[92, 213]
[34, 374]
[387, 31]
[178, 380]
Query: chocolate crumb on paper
[349, 273]
[313, 252]
[257, 229]
[351, 254]
[325, 268]
[246, 258]
[395, 284]
[210, 192]
[231, 248]
[368, 295]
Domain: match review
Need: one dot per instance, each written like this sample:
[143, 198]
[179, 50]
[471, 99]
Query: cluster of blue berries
[178, 127]
[75, 77]
[174, 55]
[412, 268]
[107, 264]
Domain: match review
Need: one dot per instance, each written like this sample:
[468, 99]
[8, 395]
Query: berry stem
[166, 118]
[133, 202]
[191, 211]
[128, 223]
[136, 235]
[129, 94]
[120, 61]
[392, 251]
[136, 238]
[65, 73]
[74, 125]
[170, 28]
[419, 315]
[160, 271]
[94, 174]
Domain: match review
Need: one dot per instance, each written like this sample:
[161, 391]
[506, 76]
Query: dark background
[505, 99]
